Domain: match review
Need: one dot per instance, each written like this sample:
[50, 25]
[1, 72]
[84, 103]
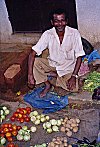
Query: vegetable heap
[8, 131]
[52, 125]
[4, 111]
[92, 81]
[21, 115]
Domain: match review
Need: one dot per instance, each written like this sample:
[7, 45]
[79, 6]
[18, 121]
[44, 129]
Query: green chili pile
[92, 81]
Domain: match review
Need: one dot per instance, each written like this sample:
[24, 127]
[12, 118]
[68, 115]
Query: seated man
[65, 55]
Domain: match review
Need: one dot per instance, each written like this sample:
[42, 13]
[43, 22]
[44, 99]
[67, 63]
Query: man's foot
[47, 88]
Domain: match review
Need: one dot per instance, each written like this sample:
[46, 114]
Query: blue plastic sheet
[50, 103]
[93, 56]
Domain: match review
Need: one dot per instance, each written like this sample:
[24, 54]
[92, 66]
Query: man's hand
[31, 81]
[71, 83]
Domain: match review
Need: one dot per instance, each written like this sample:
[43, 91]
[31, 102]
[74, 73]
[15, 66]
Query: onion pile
[59, 142]
[4, 111]
[40, 145]
[37, 118]
[52, 125]
[24, 134]
[70, 125]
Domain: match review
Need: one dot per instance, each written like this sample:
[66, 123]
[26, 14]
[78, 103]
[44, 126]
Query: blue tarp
[93, 56]
[50, 103]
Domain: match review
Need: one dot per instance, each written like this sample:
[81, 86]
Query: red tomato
[24, 116]
[2, 131]
[28, 112]
[15, 114]
[5, 126]
[8, 134]
[10, 129]
[10, 139]
[6, 130]
[2, 135]
[14, 127]
[28, 108]
[19, 115]
[21, 120]
[10, 145]
[19, 127]
[27, 119]
[24, 110]
[12, 118]
[14, 133]
[18, 119]
[19, 109]
[9, 125]
[16, 145]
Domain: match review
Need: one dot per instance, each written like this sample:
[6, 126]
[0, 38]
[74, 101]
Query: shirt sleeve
[41, 44]
[78, 46]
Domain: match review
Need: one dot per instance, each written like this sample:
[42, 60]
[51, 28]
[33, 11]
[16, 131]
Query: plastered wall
[88, 17]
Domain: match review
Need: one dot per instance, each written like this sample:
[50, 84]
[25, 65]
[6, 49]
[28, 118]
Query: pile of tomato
[21, 115]
[12, 145]
[9, 130]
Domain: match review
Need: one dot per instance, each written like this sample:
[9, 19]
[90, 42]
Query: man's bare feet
[46, 89]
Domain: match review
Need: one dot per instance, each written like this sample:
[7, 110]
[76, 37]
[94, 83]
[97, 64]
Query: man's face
[59, 22]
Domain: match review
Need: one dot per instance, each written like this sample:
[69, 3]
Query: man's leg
[61, 82]
[40, 70]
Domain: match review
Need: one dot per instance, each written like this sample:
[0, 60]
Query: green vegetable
[92, 81]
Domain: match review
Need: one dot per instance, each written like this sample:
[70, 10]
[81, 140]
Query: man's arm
[31, 60]
[71, 84]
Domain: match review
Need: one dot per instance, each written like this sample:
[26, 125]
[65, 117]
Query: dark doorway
[33, 15]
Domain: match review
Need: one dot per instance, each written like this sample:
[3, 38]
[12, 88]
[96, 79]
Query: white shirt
[62, 56]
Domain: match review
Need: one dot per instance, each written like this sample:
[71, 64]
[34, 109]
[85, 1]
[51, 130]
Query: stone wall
[88, 17]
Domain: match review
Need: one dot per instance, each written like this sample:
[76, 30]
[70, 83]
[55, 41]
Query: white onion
[55, 128]
[19, 137]
[37, 122]
[33, 118]
[47, 117]
[44, 126]
[49, 130]
[43, 119]
[48, 124]
[1, 112]
[35, 113]
[53, 122]
[24, 128]
[4, 108]
[33, 129]
[27, 137]
[58, 122]
[7, 112]
[3, 117]
[2, 140]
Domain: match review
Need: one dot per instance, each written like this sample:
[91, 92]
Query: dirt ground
[80, 105]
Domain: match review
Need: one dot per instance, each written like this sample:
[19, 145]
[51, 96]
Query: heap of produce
[8, 131]
[24, 134]
[4, 111]
[92, 81]
[70, 126]
[59, 142]
[37, 118]
[21, 115]
[52, 125]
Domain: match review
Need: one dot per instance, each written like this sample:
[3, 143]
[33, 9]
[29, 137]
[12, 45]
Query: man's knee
[36, 62]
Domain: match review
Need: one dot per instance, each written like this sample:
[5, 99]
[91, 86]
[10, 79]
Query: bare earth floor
[80, 105]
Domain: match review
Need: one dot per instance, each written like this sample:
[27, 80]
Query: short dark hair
[58, 11]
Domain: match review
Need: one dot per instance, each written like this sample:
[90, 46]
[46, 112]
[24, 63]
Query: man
[64, 60]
